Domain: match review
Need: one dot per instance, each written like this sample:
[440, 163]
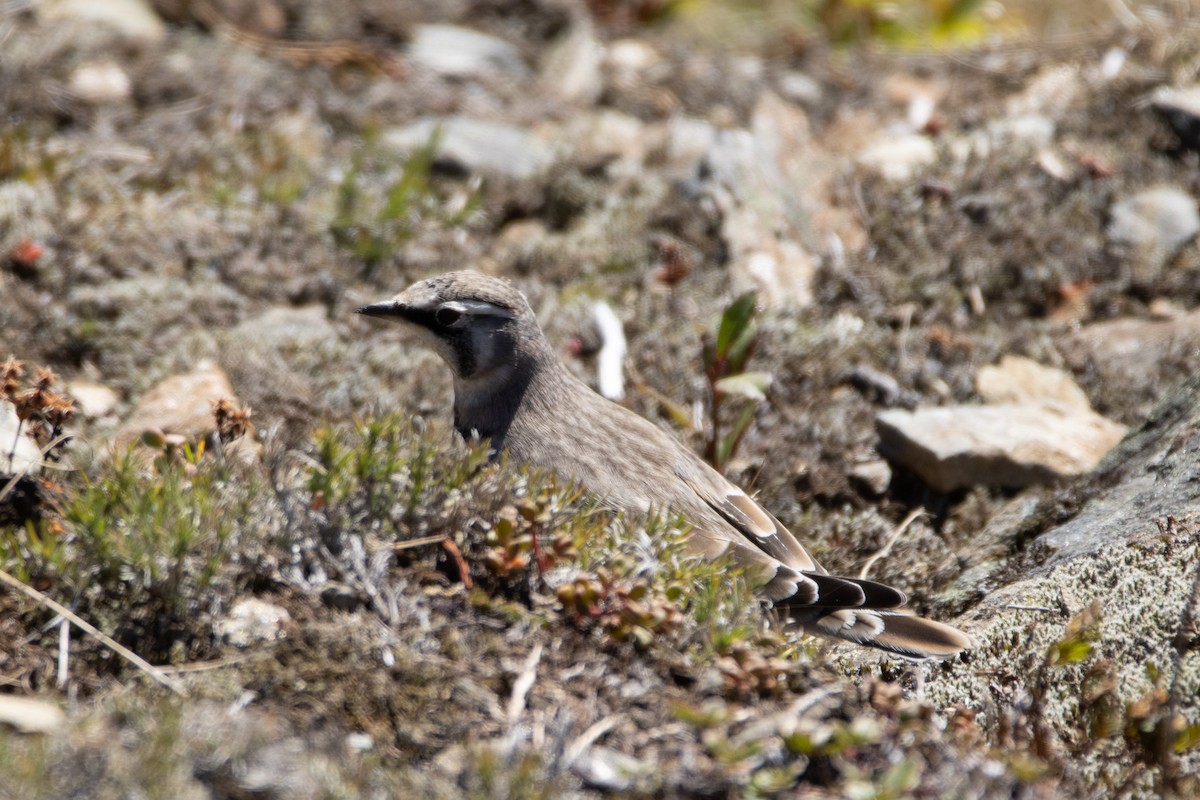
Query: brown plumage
[511, 388]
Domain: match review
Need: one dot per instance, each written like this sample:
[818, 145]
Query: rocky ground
[976, 280]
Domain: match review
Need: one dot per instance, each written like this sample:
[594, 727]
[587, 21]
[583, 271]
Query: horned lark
[511, 388]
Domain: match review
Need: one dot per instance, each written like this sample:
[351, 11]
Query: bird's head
[476, 323]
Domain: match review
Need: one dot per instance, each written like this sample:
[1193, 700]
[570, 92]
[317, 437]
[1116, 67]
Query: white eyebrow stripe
[478, 308]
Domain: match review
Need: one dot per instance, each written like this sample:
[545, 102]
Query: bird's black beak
[391, 309]
[388, 309]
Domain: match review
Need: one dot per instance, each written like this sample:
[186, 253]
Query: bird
[511, 388]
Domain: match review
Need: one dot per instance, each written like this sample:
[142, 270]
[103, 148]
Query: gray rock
[1133, 356]
[751, 177]
[1120, 345]
[989, 547]
[1001, 445]
[285, 328]
[460, 52]
[874, 475]
[473, 145]
[879, 387]
[1156, 223]
[276, 359]
[1130, 545]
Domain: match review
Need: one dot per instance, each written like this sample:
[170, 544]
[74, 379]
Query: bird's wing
[754, 522]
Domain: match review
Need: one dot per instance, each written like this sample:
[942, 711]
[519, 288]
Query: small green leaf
[504, 531]
[751, 385]
[741, 347]
[733, 322]
[770, 781]
[676, 411]
[1188, 738]
[726, 445]
[1072, 651]
[899, 778]
[706, 716]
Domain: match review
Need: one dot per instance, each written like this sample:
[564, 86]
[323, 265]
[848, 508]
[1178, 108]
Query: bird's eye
[446, 317]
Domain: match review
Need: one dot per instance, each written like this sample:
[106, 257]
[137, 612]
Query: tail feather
[838, 592]
[898, 632]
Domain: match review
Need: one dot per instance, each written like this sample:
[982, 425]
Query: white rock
[688, 140]
[30, 715]
[1001, 445]
[180, 404]
[1114, 59]
[799, 88]
[783, 274]
[602, 136]
[1054, 166]
[101, 83]
[460, 52]
[24, 451]
[95, 400]
[608, 770]
[1051, 91]
[133, 19]
[252, 621]
[1034, 130]
[1157, 222]
[610, 361]
[632, 55]
[571, 66]
[1021, 380]
[899, 158]
[875, 475]
[756, 180]
[475, 145]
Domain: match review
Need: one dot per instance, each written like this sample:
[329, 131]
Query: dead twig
[887, 547]
[456, 556]
[64, 652]
[206, 666]
[410, 544]
[337, 53]
[85, 626]
[589, 737]
[522, 685]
